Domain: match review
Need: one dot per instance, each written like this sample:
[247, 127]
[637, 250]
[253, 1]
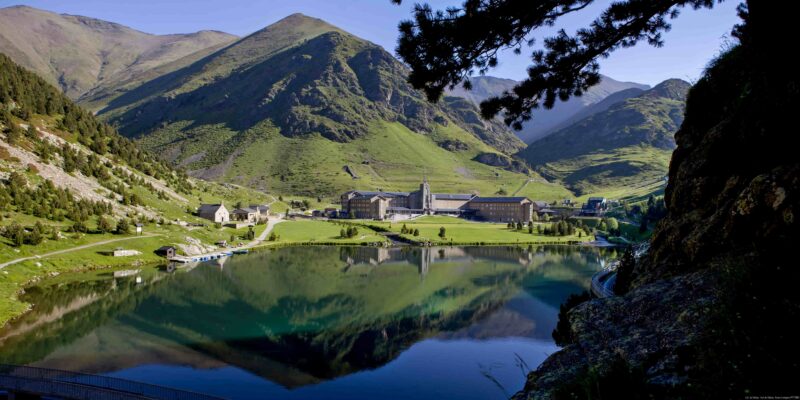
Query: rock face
[502, 161]
[707, 313]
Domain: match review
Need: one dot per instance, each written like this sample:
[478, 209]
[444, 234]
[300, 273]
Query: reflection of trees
[112, 298]
[298, 315]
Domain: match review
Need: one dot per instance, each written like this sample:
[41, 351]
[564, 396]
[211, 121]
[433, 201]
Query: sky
[696, 36]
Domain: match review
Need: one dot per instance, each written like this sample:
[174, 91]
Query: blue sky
[696, 37]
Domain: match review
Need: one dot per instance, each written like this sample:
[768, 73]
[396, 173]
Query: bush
[123, 226]
[442, 232]
[416, 232]
[625, 272]
[563, 332]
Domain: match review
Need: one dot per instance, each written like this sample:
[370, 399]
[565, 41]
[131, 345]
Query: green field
[460, 231]
[311, 232]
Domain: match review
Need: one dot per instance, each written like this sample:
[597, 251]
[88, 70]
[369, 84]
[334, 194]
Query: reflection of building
[424, 257]
[379, 205]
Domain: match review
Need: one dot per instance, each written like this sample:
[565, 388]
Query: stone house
[214, 212]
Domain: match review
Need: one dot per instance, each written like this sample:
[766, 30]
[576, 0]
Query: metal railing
[599, 288]
[78, 385]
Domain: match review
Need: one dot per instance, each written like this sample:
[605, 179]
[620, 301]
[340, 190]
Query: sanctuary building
[380, 205]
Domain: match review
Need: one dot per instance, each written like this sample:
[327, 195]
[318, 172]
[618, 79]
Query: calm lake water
[313, 322]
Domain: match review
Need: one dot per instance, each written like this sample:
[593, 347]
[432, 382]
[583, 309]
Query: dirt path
[263, 236]
[76, 248]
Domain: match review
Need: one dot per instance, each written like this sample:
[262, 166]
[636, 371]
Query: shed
[166, 251]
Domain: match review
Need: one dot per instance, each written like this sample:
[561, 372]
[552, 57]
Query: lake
[312, 322]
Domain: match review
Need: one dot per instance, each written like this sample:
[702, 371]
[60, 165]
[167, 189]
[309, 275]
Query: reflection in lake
[313, 322]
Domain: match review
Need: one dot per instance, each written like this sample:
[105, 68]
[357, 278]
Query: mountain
[79, 53]
[546, 121]
[59, 163]
[304, 107]
[627, 144]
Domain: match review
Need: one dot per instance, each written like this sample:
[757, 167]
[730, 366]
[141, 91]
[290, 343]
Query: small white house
[214, 212]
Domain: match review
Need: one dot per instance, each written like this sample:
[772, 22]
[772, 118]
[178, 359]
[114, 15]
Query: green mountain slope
[546, 121]
[79, 53]
[628, 144]
[64, 171]
[289, 107]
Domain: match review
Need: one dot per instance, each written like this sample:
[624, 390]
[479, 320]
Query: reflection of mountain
[297, 316]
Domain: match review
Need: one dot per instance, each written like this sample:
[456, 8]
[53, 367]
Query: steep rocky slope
[78, 53]
[706, 315]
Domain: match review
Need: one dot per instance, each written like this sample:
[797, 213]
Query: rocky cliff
[706, 316]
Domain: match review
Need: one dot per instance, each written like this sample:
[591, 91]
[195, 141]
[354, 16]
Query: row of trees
[562, 227]
[38, 232]
[47, 201]
[408, 231]
[349, 232]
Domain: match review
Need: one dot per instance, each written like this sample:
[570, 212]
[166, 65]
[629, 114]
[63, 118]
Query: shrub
[563, 332]
[625, 272]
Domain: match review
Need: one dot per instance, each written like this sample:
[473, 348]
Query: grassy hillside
[389, 157]
[69, 179]
[304, 76]
[78, 53]
[627, 145]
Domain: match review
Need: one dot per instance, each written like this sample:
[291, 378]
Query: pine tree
[442, 232]
[444, 48]
[625, 272]
[123, 226]
[104, 225]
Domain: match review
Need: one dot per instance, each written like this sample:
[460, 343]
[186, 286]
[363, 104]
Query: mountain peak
[675, 89]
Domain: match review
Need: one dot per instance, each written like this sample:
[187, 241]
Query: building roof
[209, 208]
[259, 207]
[384, 194]
[244, 210]
[404, 209]
[500, 199]
[453, 196]
[163, 248]
[540, 203]
[371, 196]
[597, 199]
[547, 211]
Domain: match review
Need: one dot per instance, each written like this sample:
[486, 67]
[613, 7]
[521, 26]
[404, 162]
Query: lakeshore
[356, 317]
[302, 232]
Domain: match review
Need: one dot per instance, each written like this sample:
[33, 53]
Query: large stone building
[214, 212]
[379, 205]
[503, 209]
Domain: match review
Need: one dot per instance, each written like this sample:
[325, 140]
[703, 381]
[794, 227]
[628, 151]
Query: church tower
[426, 199]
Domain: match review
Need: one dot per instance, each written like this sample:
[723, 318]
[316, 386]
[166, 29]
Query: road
[263, 236]
[76, 248]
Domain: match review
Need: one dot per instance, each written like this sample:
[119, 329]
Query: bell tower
[426, 199]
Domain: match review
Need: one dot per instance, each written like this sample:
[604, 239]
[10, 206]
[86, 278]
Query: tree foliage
[23, 93]
[445, 48]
